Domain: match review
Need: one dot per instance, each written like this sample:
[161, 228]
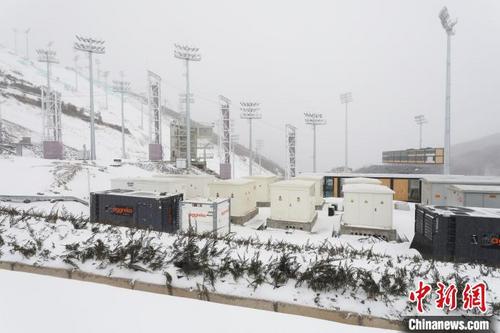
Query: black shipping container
[459, 234]
[134, 209]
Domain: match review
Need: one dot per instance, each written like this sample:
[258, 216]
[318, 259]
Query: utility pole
[90, 46]
[188, 54]
[250, 111]
[314, 119]
[26, 32]
[420, 120]
[448, 25]
[291, 141]
[346, 98]
[122, 87]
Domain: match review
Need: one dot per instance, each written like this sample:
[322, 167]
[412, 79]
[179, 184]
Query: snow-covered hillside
[20, 81]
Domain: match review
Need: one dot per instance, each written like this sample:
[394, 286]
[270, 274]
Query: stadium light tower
[420, 120]
[188, 54]
[250, 111]
[26, 32]
[346, 98]
[90, 46]
[448, 25]
[122, 87]
[314, 119]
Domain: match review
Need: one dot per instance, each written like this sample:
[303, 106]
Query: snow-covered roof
[362, 180]
[459, 179]
[366, 188]
[293, 183]
[476, 188]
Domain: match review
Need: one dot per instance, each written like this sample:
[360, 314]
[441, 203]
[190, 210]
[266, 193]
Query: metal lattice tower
[187, 54]
[122, 87]
[250, 111]
[51, 110]
[314, 119]
[154, 103]
[448, 25]
[346, 98]
[420, 120]
[226, 129]
[91, 46]
[291, 142]
[51, 101]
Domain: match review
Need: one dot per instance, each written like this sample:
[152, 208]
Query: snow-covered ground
[57, 305]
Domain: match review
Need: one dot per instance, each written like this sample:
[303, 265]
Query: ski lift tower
[154, 102]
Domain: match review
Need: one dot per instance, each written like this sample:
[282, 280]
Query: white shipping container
[368, 205]
[293, 200]
[206, 215]
[240, 191]
[262, 189]
[474, 196]
[318, 189]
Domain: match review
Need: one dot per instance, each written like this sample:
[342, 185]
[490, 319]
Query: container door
[169, 219]
[491, 200]
[366, 209]
[145, 218]
[382, 207]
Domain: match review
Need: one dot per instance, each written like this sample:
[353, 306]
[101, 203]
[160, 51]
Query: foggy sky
[295, 57]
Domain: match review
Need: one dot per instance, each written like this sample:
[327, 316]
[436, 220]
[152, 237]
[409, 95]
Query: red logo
[126, 211]
[473, 296]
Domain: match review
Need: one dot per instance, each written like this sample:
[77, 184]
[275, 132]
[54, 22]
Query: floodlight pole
[314, 119]
[250, 112]
[420, 120]
[106, 74]
[90, 46]
[448, 25]
[346, 98]
[188, 54]
[122, 87]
